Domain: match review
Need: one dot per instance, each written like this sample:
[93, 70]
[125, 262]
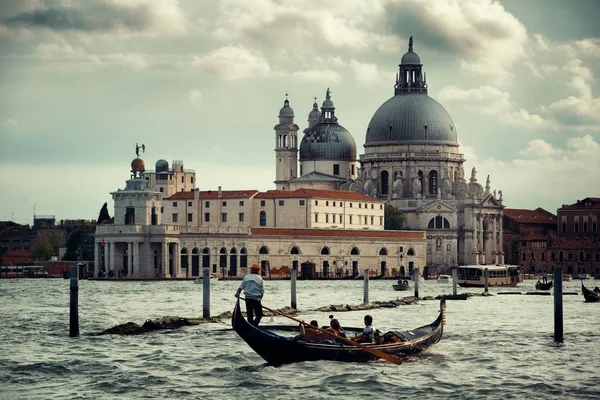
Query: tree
[394, 219]
[104, 215]
[46, 245]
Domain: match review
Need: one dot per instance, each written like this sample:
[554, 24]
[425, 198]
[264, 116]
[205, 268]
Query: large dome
[327, 141]
[414, 117]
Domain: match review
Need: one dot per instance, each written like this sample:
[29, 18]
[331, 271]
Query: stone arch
[195, 262]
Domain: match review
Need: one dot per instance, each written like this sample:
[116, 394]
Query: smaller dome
[315, 114]
[161, 166]
[138, 165]
[328, 104]
[286, 110]
[410, 58]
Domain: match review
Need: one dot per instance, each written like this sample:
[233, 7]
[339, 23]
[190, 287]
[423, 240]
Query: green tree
[104, 216]
[46, 245]
[394, 219]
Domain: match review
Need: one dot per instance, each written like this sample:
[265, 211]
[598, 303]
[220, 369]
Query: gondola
[277, 349]
[591, 296]
[401, 285]
[543, 286]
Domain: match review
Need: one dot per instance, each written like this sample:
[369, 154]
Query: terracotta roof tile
[579, 205]
[315, 194]
[213, 194]
[339, 233]
[537, 216]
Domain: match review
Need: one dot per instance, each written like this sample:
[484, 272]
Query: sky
[203, 81]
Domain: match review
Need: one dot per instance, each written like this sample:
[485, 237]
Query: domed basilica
[411, 160]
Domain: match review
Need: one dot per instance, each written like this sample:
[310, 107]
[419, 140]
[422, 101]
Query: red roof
[214, 194]
[315, 193]
[580, 205]
[339, 233]
[537, 216]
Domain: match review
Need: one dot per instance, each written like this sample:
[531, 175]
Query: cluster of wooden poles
[558, 296]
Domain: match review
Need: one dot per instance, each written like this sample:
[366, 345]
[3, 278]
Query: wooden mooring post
[74, 306]
[205, 294]
[366, 286]
[416, 281]
[454, 280]
[293, 276]
[558, 305]
[486, 278]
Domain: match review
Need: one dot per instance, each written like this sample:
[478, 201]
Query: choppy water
[498, 347]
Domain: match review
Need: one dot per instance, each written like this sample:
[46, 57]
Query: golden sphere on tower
[137, 165]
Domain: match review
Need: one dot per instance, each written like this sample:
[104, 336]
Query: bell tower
[286, 147]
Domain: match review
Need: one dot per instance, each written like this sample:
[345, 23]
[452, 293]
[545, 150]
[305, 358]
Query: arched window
[354, 251]
[421, 180]
[433, 182]
[561, 256]
[263, 250]
[410, 252]
[196, 262]
[588, 256]
[438, 223]
[581, 256]
[597, 256]
[295, 250]
[223, 259]
[233, 262]
[585, 226]
[594, 226]
[564, 226]
[325, 251]
[552, 256]
[383, 251]
[576, 226]
[243, 258]
[263, 218]
[385, 182]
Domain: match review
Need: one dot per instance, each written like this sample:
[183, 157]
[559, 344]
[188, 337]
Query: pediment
[438, 207]
[490, 201]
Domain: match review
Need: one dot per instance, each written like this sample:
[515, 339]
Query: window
[561, 256]
[316, 202]
[263, 218]
[327, 218]
[175, 217]
[224, 204]
[594, 226]
[365, 220]
[192, 179]
[359, 205]
[162, 210]
[182, 179]
[597, 256]
[381, 206]
[543, 256]
[316, 217]
[189, 203]
[588, 256]
[327, 203]
[190, 217]
[380, 220]
[241, 217]
[350, 205]
[351, 219]
[206, 217]
[523, 244]
[281, 202]
[564, 226]
[207, 204]
[372, 219]
[576, 228]
[352, 169]
[570, 256]
[301, 202]
[223, 217]
[433, 188]
[334, 203]
[262, 203]
[336, 169]
[241, 204]
[174, 204]
[438, 222]
[532, 256]
[129, 216]
[385, 182]
[585, 226]
[372, 206]
[524, 258]
[161, 189]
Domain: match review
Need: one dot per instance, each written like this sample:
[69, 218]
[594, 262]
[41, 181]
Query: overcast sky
[202, 81]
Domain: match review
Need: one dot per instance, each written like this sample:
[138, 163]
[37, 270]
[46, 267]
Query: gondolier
[253, 287]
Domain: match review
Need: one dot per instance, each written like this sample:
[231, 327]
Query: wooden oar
[377, 353]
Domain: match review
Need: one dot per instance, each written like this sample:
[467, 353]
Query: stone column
[135, 270]
[130, 257]
[97, 257]
[112, 254]
[165, 260]
[177, 260]
[501, 251]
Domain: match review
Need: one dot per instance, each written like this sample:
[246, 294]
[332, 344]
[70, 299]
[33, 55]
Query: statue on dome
[473, 175]
[500, 195]
[137, 149]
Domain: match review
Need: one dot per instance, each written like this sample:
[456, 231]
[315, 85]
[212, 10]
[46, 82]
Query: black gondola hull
[590, 296]
[276, 349]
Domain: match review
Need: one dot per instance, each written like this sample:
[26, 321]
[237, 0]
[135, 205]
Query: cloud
[194, 95]
[233, 62]
[12, 124]
[315, 75]
[489, 100]
[65, 53]
[575, 112]
[546, 175]
[368, 72]
[104, 17]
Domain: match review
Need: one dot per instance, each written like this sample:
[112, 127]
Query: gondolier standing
[254, 288]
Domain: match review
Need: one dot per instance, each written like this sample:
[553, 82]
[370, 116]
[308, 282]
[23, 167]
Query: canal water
[498, 347]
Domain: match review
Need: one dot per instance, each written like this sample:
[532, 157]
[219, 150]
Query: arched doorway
[264, 260]
[243, 258]
[195, 262]
[223, 260]
[325, 269]
[125, 263]
[354, 253]
[184, 261]
[383, 264]
[233, 262]
[206, 259]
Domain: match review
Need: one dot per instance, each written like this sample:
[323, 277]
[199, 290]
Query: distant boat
[200, 279]
[499, 275]
[401, 285]
[444, 278]
[591, 296]
[543, 286]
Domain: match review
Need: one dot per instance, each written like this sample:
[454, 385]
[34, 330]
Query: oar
[378, 353]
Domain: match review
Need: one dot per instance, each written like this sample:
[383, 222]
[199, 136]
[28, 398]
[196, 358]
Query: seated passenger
[309, 333]
[368, 335]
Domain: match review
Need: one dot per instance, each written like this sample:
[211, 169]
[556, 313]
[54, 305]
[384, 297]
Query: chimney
[219, 193]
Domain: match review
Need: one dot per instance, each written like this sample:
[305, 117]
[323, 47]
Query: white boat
[583, 276]
[499, 275]
[213, 279]
[444, 278]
